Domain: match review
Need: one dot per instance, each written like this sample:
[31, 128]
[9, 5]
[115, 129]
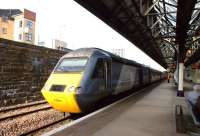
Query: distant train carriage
[85, 76]
[155, 75]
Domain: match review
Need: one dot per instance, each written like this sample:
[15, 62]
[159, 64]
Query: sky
[68, 21]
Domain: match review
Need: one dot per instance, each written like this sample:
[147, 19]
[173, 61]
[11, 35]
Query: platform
[148, 114]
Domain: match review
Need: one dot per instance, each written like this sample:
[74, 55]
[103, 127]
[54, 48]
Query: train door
[150, 75]
[102, 74]
[140, 75]
[107, 64]
[99, 75]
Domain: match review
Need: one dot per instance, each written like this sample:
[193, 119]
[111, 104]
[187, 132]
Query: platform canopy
[166, 30]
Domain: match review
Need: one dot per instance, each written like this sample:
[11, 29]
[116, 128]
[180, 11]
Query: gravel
[52, 127]
[19, 125]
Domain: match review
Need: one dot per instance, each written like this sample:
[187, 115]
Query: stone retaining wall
[24, 68]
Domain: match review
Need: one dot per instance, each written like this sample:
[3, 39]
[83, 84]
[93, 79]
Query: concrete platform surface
[148, 114]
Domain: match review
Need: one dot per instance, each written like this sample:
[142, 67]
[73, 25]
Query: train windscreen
[71, 65]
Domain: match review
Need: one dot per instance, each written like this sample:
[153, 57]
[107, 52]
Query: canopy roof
[164, 29]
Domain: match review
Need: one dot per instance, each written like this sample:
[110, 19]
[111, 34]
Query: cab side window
[99, 70]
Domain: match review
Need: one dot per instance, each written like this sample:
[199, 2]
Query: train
[84, 77]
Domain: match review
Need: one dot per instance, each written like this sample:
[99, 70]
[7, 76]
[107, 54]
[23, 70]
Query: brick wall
[24, 68]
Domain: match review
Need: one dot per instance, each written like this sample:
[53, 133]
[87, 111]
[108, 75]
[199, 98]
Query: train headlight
[71, 89]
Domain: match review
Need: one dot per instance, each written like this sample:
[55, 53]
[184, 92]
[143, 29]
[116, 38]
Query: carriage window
[99, 69]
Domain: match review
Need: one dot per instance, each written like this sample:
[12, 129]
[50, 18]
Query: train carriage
[85, 76]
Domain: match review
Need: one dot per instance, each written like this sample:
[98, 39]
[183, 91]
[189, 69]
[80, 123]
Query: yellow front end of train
[62, 100]
[62, 85]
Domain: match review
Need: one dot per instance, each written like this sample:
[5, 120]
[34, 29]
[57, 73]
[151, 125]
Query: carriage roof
[88, 52]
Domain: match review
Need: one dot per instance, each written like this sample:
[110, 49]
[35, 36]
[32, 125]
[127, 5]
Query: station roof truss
[164, 29]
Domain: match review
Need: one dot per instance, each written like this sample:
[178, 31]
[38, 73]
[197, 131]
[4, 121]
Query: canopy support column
[180, 91]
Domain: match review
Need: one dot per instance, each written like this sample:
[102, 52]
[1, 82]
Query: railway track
[24, 113]
[36, 130]
[18, 110]
[11, 116]
[23, 106]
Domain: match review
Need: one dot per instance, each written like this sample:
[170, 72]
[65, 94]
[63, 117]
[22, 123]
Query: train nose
[62, 101]
[59, 91]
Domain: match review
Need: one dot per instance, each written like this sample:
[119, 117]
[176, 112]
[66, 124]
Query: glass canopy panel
[167, 7]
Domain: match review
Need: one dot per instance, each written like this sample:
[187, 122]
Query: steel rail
[23, 106]
[24, 113]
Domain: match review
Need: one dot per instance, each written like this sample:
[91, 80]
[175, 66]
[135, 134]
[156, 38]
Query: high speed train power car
[83, 77]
